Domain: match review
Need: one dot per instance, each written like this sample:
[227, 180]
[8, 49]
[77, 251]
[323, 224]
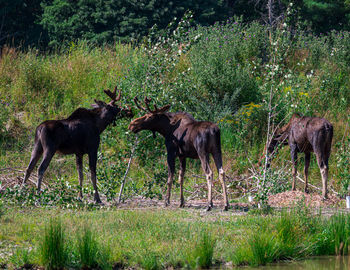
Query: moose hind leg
[323, 165]
[181, 180]
[306, 171]
[209, 176]
[218, 163]
[48, 154]
[36, 154]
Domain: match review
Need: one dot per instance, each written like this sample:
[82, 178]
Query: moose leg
[323, 165]
[218, 163]
[209, 176]
[171, 171]
[306, 171]
[36, 154]
[48, 154]
[181, 180]
[294, 154]
[79, 162]
[92, 166]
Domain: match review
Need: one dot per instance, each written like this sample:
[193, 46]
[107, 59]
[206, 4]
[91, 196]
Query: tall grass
[203, 252]
[53, 248]
[165, 239]
[91, 253]
[88, 249]
[334, 237]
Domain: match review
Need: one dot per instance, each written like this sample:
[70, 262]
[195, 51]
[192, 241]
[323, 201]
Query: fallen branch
[315, 187]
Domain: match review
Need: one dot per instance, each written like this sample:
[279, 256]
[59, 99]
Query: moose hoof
[166, 203]
[209, 207]
[226, 207]
[306, 190]
[182, 205]
[98, 201]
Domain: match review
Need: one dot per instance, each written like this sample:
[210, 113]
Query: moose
[306, 135]
[79, 134]
[184, 138]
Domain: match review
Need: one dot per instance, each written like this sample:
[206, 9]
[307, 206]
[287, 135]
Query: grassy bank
[159, 238]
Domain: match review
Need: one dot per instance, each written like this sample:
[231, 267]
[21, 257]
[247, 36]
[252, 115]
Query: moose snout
[134, 128]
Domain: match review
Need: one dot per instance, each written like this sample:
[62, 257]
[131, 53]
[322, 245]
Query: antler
[136, 100]
[147, 101]
[148, 109]
[113, 95]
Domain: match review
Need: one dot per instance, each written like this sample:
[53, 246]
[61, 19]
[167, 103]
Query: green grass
[53, 247]
[88, 248]
[156, 239]
[203, 251]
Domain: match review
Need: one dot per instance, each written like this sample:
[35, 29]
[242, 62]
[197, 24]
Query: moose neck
[163, 127]
[102, 124]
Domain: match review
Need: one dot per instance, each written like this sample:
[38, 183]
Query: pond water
[319, 263]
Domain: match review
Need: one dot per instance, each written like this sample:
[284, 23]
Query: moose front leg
[181, 180]
[92, 165]
[171, 171]
[79, 162]
[294, 155]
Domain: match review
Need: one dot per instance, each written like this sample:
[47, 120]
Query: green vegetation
[223, 73]
[161, 238]
[50, 23]
[53, 248]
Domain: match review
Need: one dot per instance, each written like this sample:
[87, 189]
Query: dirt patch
[293, 198]
[9, 177]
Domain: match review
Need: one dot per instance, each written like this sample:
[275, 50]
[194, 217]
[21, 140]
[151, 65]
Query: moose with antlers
[79, 134]
[306, 135]
[184, 138]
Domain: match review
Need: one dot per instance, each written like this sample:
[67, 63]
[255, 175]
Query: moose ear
[98, 104]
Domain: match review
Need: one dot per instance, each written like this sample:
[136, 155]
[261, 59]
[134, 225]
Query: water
[318, 263]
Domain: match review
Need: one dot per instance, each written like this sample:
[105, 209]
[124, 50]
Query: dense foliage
[222, 73]
[50, 23]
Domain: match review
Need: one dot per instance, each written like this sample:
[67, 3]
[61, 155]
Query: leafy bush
[223, 62]
[343, 161]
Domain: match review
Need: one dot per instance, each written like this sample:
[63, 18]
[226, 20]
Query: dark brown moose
[79, 134]
[184, 138]
[306, 135]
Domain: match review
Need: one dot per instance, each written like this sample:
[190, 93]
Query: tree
[18, 22]
[124, 20]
